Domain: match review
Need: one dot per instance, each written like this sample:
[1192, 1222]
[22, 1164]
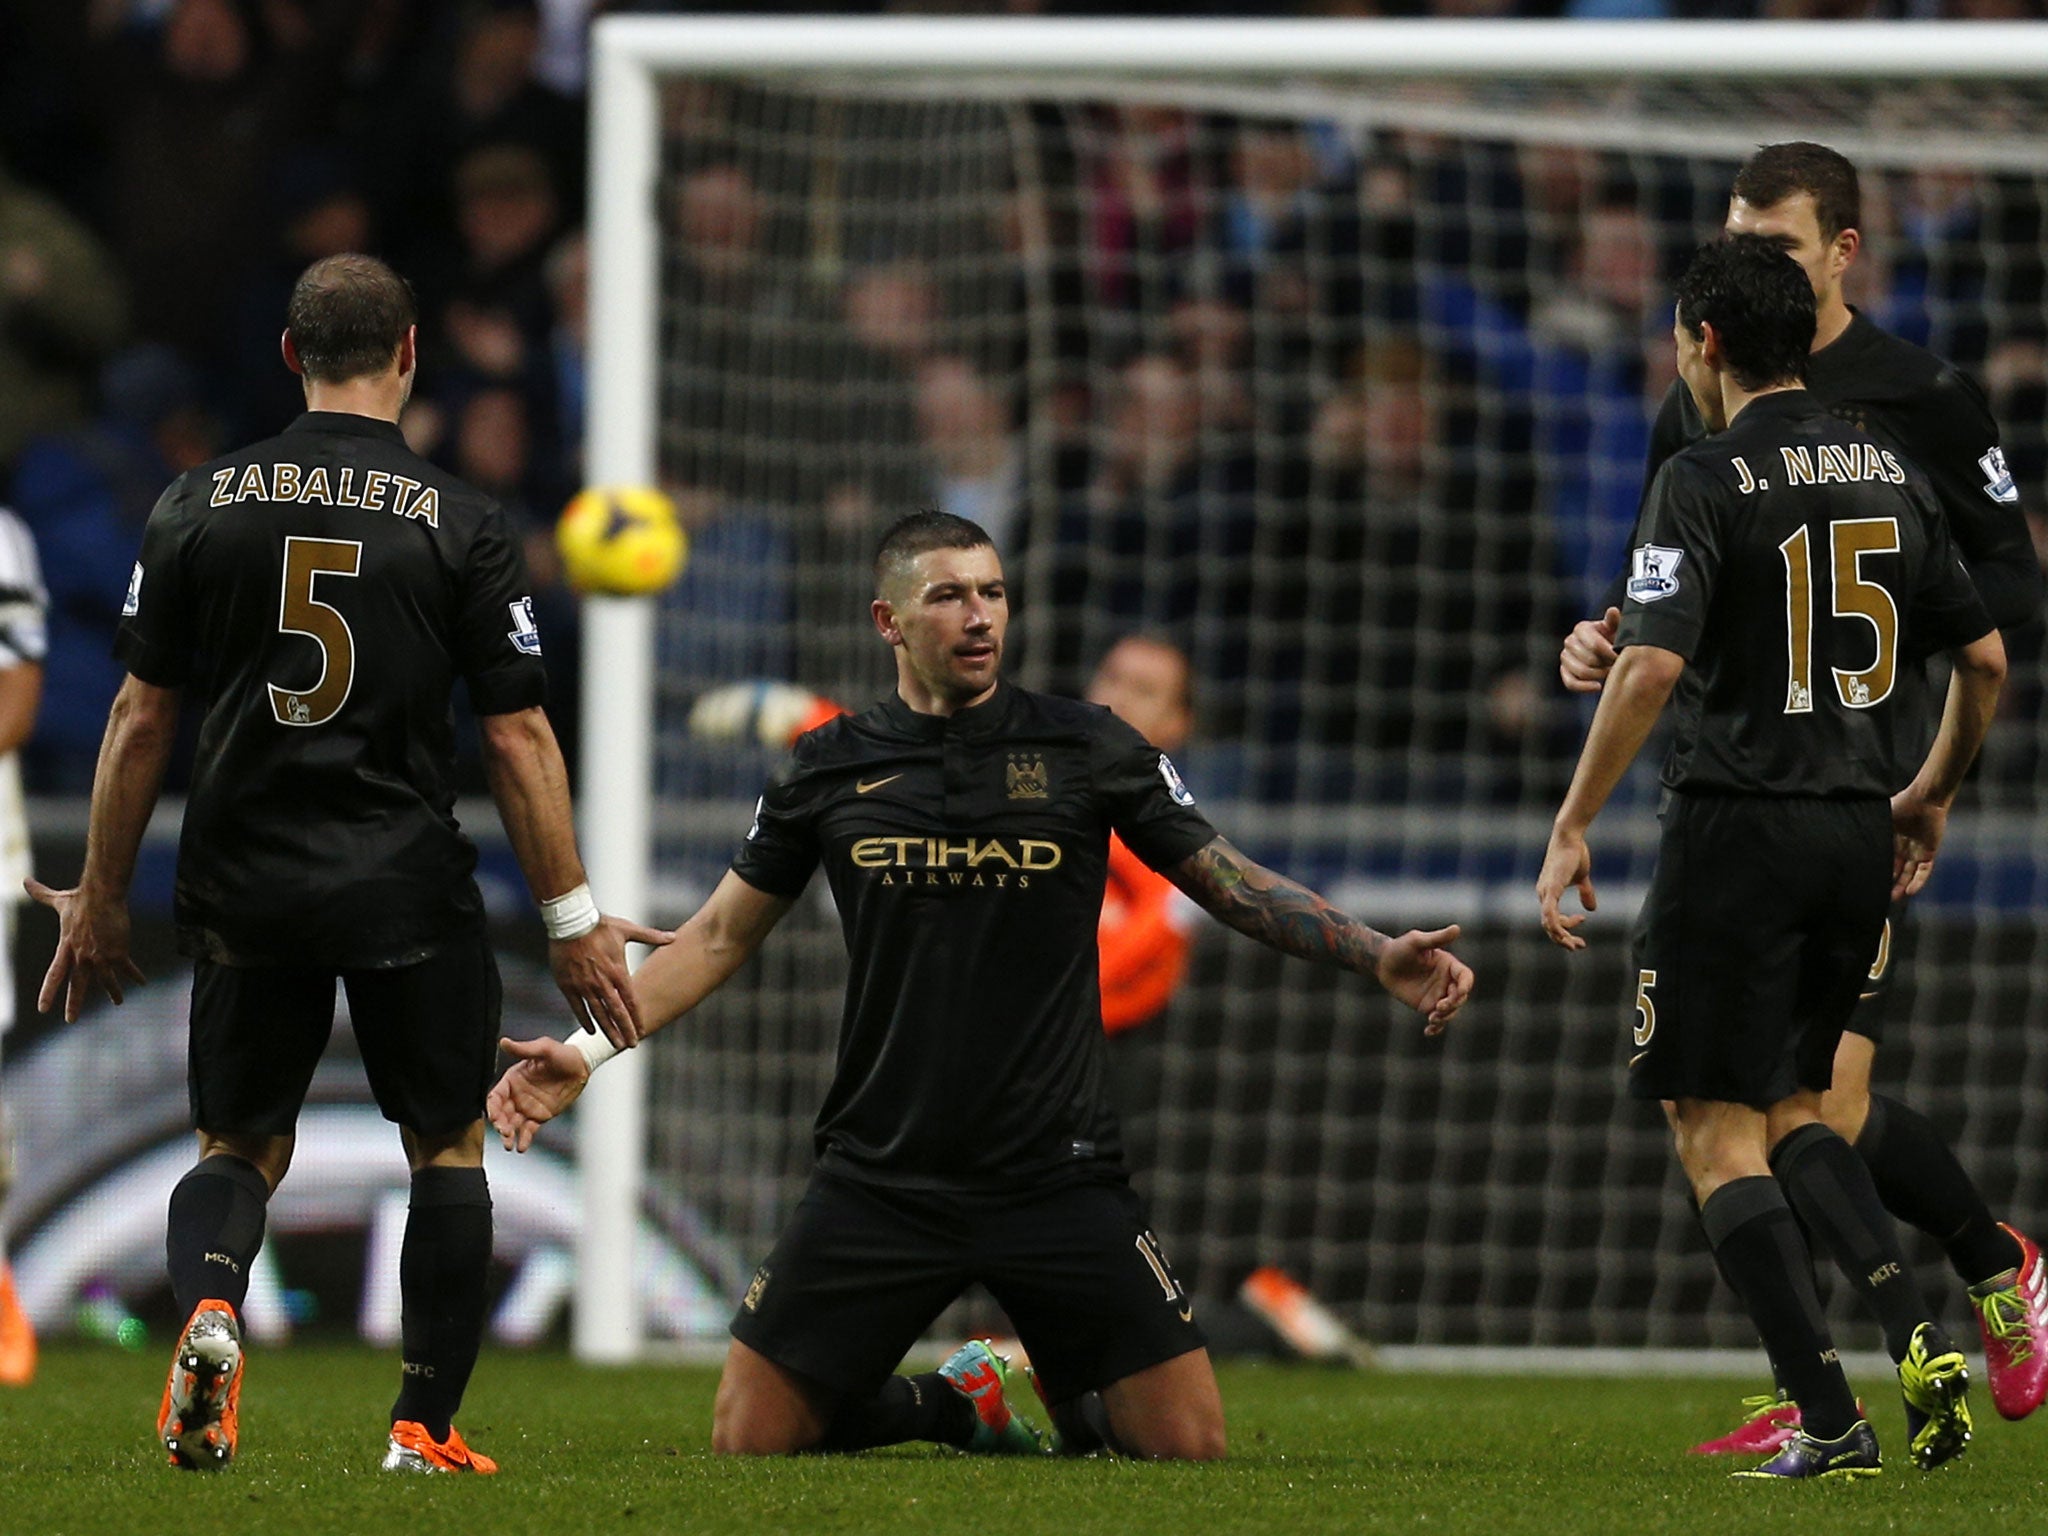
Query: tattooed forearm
[1274, 910]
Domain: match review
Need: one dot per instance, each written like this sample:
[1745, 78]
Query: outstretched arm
[725, 932]
[1417, 967]
[530, 783]
[92, 919]
[547, 1075]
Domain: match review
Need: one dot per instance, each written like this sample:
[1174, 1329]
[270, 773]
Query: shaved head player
[964, 826]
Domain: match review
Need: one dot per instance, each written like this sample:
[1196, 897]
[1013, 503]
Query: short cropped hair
[920, 533]
[1779, 171]
[1760, 304]
[347, 317]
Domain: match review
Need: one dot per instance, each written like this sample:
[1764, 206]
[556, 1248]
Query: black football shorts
[427, 1032]
[1754, 944]
[863, 1269]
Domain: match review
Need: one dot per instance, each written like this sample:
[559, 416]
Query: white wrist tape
[592, 1047]
[571, 915]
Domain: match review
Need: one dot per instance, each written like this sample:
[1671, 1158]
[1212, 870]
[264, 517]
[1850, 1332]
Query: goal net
[1340, 378]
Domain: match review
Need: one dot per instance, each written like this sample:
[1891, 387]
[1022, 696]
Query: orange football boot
[414, 1450]
[199, 1420]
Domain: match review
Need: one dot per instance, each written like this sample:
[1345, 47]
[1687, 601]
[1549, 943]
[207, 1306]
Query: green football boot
[980, 1375]
[1935, 1379]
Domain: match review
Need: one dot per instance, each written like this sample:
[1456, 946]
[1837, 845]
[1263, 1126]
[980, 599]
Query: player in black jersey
[963, 825]
[1804, 198]
[317, 597]
[1788, 566]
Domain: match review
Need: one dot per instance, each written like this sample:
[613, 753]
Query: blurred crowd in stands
[1358, 416]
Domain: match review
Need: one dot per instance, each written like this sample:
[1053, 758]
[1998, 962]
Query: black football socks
[925, 1407]
[1921, 1182]
[215, 1228]
[1778, 1381]
[1759, 1249]
[442, 1270]
[1083, 1426]
[1837, 1202]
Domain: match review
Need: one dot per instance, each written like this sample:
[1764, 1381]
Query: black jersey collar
[978, 720]
[1780, 403]
[1843, 351]
[348, 424]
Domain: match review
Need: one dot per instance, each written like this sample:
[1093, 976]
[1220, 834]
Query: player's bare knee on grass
[741, 1428]
[737, 1434]
[762, 1409]
[1187, 1438]
[1191, 1433]
[1169, 1412]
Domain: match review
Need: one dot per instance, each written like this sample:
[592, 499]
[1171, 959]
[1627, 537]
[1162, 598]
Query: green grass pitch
[626, 1450]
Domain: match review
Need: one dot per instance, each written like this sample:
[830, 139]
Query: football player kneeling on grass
[964, 826]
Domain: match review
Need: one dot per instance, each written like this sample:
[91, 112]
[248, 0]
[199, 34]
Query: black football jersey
[1935, 416]
[967, 855]
[1796, 565]
[316, 596]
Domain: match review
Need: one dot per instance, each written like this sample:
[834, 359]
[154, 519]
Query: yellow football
[625, 541]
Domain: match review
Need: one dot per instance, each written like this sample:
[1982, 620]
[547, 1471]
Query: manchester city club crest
[1025, 777]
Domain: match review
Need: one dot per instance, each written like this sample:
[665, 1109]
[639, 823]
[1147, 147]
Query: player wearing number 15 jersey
[1786, 566]
[317, 597]
[1806, 199]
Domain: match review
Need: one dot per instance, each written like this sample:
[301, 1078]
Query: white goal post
[632, 54]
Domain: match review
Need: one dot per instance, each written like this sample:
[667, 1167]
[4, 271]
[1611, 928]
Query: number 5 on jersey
[299, 612]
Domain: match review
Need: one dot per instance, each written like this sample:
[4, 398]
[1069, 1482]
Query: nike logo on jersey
[867, 784]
